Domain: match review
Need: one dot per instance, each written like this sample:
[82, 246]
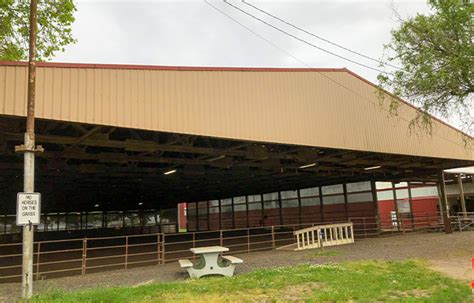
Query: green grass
[367, 281]
[324, 253]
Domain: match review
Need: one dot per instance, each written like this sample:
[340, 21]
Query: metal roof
[330, 108]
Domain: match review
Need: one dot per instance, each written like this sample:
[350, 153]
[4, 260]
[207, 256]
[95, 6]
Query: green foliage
[436, 53]
[55, 18]
[366, 281]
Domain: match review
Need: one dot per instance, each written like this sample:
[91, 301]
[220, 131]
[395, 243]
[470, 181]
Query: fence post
[273, 237]
[413, 221]
[163, 245]
[194, 240]
[126, 252]
[378, 225]
[38, 261]
[365, 229]
[248, 240]
[84, 255]
[158, 248]
[402, 223]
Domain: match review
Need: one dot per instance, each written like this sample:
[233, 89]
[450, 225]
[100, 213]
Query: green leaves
[437, 55]
[55, 19]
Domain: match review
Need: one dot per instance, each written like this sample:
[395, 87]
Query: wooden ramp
[324, 235]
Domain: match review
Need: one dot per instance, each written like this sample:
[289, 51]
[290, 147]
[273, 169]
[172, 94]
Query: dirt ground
[450, 254]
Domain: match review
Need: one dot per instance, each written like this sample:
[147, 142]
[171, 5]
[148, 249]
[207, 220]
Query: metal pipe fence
[81, 256]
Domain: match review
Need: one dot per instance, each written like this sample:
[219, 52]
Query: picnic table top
[208, 249]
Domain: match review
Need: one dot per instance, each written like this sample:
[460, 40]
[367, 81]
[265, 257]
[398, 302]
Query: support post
[395, 201]
[462, 198]
[444, 204]
[208, 217]
[247, 210]
[440, 202]
[373, 186]
[300, 220]
[410, 200]
[220, 214]
[187, 220]
[346, 203]
[321, 204]
[197, 216]
[280, 210]
[233, 212]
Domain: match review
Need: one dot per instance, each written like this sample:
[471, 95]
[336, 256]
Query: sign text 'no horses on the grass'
[28, 208]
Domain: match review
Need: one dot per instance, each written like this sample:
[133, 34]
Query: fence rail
[89, 255]
[465, 220]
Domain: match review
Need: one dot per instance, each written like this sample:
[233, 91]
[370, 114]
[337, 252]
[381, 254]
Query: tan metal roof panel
[331, 108]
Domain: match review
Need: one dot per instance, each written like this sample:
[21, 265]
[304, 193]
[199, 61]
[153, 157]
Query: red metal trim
[177, 68]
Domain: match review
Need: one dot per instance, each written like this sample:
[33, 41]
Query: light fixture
[216, 158]
[169, 172]
[372, 167]
[140, 203]
[97, 205]
[308, 165]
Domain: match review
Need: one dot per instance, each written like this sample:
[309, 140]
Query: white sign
[28, 208]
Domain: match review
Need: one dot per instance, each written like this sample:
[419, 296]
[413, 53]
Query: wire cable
[322, 74]
[304, 41]
[318, 37]
[256, 34]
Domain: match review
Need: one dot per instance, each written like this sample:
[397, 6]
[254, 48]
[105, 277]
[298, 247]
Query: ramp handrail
[324, 235]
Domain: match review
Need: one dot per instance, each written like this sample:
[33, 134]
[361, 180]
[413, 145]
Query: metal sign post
[29, 149]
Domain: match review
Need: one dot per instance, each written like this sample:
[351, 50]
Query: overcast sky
[192, 33]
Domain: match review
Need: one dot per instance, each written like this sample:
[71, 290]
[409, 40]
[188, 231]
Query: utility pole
[29, 149]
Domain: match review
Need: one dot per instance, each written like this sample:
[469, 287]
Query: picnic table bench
[210, 262]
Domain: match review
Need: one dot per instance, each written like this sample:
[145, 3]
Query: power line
[304, 41]
[256, 34]
[317, 36]
[314, 69]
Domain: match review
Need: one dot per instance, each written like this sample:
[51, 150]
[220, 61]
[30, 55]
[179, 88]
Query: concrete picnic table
[210, 262]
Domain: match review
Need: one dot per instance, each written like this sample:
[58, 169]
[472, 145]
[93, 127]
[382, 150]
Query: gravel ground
[450, 254]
